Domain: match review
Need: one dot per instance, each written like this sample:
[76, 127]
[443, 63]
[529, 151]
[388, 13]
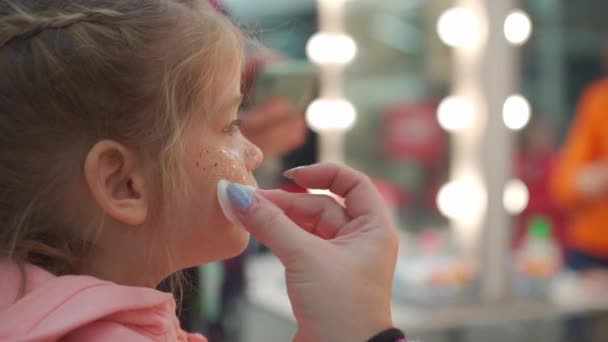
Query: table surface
[266, 290]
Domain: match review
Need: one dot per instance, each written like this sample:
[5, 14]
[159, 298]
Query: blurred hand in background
[592, 180]
[275, 127]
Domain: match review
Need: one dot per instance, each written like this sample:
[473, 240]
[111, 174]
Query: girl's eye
[233, 127]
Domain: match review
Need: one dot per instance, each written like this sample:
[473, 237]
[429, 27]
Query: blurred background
[482, 124]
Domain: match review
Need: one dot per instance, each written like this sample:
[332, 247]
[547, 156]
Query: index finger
[360, 195]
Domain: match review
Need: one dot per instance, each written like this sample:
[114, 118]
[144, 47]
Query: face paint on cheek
[220, 160]
[233, 166]
[234, 169]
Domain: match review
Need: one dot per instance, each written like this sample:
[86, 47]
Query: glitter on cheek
[218, 160]
[234, 166]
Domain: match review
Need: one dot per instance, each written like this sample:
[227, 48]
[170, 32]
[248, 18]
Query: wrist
[389, 335]
[373, 318]
[364, 329]
[351, 328]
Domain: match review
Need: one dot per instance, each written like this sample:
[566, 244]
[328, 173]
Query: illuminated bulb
[463, 200]
[457, 27]
[518, 27]
[455, 114]
[516, 196]
[325, 48]
[516, 112]
[331, 114]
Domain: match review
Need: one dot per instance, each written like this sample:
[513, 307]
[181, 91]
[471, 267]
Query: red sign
[413, 133]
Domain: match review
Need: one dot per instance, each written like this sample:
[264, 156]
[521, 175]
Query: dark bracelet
[390, 335]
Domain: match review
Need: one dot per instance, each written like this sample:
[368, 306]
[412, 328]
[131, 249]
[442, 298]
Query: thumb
[264, 220]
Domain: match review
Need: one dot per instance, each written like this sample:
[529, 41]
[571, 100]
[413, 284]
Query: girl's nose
[253, 156]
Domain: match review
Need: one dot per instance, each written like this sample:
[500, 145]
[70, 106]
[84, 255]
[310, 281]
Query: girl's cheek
[233, 167]
[225, 162]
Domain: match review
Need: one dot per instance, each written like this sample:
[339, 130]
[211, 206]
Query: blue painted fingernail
[242, 197]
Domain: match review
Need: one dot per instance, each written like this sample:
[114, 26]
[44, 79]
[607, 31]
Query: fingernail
[240, 196]
[289, 174]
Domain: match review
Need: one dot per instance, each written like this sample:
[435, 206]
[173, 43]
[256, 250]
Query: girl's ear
[116, 182]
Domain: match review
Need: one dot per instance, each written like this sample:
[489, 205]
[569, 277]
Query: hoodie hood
[78, 307]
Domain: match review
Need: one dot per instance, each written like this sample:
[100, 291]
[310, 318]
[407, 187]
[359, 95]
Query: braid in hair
[23, 25]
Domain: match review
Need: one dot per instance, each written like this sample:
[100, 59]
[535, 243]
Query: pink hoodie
[83, 308]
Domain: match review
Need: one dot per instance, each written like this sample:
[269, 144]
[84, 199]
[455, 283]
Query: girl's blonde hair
[75, 72]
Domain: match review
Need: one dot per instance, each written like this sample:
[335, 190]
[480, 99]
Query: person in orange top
[579, 182]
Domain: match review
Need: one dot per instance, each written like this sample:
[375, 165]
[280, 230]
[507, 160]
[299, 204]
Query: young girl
[117, 121]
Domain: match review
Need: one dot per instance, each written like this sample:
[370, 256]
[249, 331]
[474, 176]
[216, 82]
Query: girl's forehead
[226, 88]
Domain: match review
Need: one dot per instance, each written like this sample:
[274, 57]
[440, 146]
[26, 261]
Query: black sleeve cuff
[390, 335]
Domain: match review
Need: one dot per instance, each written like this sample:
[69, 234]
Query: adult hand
[592, 180]
[339, 261]
[275, 127]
